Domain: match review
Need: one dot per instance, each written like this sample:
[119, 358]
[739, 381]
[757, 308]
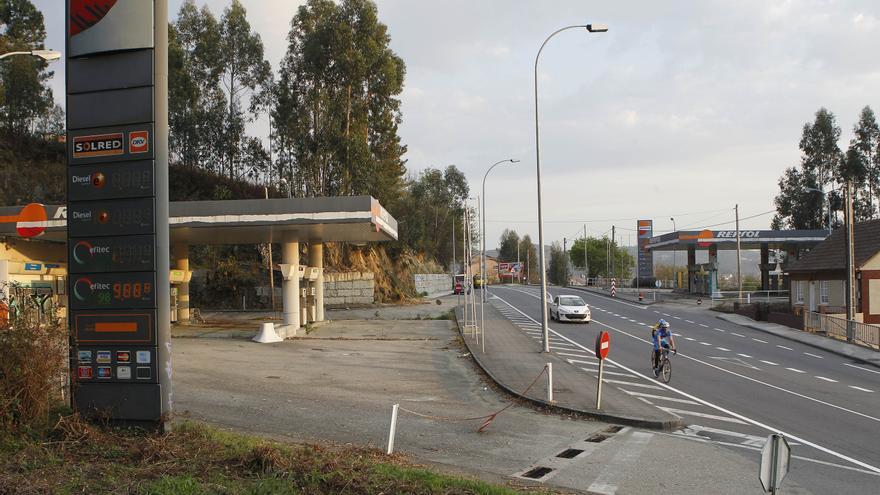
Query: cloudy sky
[684, 108]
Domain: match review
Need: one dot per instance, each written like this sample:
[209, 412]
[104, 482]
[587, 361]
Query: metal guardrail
[849, 330]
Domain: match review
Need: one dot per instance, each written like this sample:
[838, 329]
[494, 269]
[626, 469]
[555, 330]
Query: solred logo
[99, 145]
[138, 142]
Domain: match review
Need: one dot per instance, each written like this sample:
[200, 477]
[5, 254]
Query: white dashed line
[744, 355]
[826, 379]
[689, 321]
[814, 355]
[860, 368]
[705, 343]
[676, 317]
[795, 370]
[771, 363]
[783, 347]
[704, 326]
[676, 334]
[665, 314]
[723, 349]
[759, 340]
[688, 338]
[862, 389]
[738, 335]
[720, 330]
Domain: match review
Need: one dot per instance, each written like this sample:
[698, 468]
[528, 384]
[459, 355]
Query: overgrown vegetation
[77, 457]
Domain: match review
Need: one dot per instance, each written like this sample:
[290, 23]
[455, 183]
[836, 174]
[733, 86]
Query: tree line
[825, 167]
[27, 105]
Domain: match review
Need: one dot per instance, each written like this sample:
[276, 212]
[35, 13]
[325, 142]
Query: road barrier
[487, 418]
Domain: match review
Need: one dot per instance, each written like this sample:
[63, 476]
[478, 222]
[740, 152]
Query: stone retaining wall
[432, 283]
[343, 289]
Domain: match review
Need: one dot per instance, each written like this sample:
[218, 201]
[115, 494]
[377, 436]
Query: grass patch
[77, 457]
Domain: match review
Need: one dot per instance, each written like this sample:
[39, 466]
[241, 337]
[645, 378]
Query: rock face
[343, 289]
[432, 283]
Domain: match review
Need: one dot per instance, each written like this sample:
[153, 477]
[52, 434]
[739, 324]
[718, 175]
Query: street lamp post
[593, 28]
[47, 55]
[483, 263]
[674, 257]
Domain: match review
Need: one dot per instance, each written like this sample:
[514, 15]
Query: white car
[569, 308]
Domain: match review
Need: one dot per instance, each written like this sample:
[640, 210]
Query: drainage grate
[604, 434]
[537, 473]
[570, 453]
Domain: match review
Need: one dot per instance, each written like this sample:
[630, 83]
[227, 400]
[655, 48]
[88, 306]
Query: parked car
[569, 308]
[479, 281]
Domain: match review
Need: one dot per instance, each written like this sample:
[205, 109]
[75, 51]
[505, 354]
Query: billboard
[509, 270]
[645, 265]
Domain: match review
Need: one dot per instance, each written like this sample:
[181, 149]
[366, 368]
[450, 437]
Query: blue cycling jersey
[661, 334]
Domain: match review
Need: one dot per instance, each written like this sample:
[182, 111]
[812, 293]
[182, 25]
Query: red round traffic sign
[603, 345]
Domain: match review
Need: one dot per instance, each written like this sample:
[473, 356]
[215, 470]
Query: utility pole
[564, 260]
[518, 266]
[528, 266]
[586, 266]
[613, 230]
[454, 269]
[850, 275]
[739, 275]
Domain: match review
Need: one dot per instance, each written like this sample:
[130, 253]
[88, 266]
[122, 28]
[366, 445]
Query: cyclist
[661, 336]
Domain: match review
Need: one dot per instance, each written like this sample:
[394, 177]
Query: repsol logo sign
[99, 145]
[743, 234]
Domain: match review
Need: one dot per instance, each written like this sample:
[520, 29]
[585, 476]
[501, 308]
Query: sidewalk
[513, 360]
[852, 351]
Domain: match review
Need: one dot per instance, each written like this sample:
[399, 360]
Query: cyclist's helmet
[663, 323]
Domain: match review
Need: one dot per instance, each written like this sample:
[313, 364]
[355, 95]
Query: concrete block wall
[343, 289]
[432, 283]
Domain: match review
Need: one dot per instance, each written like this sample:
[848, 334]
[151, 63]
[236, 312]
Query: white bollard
[550, 382]
[267, 334]
[393, 428]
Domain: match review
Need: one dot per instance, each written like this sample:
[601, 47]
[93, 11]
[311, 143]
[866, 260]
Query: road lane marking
[575, 355]
[689, 321]
[720, 330]
[826, 379]
[771, 363]
[677, 317]
[862, 389]
[759, 340]
[813, 355]
[744, 355]
[676, 334]
[606, 372]
[695, 430]
[705, 343]
[723, 349]
[783, 347]
[738, 335]
[704, 326]
[683, 412]
[754, 422]
[665, 314]
[631, 384]
[859, 367]
[795, 370]
[660, 397]
[621, 464]
[689, 338]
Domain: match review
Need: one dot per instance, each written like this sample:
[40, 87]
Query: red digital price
[123, 291]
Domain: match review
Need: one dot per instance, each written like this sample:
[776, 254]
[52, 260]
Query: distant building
[818, 279]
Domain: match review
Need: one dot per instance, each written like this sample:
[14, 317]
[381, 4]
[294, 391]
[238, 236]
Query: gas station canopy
[726, 239]
[249, 221]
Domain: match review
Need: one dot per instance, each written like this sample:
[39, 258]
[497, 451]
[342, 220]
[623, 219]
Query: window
[823, 292]
[799, 291]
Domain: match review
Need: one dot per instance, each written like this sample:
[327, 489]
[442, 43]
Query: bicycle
[663, 370]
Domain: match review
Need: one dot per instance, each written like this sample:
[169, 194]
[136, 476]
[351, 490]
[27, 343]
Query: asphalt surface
[734, 385]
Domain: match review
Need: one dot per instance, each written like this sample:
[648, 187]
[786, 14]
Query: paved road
[732, 385]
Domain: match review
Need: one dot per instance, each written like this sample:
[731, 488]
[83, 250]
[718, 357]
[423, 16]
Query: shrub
[33, 364]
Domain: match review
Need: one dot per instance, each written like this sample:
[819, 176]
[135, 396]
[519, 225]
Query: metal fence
[832, 326]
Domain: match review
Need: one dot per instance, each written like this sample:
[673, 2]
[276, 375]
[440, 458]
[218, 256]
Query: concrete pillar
[290, 288]
[765, 267]
[316, 259]
[691, 266]
[181, 262]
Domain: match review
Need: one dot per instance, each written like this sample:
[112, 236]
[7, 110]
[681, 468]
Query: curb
[604, 417]
[807, 342]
